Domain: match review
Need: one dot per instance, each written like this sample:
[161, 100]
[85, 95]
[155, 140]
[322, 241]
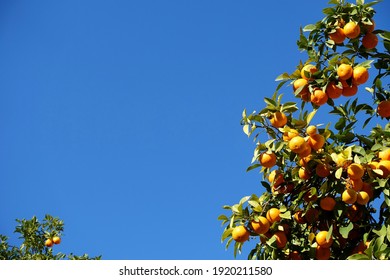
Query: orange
[301, 84]
[276, 178]
[333, 90]
[368, 28]
[355, 171]
[56, 240]
[240, 234]
[370, 41]
[356, 184]
[281, 239]
[273, 215]
[279, 119]
[383, 109]
[288, 135]
[311, 215]
[308, 197]
[323, 170]
[384, 165]
[368, 189]
[319, 97]
[362, 198]
[349, 196]
[316, 141]
[267, 159]
[297, 144]
[385, 154]
[294, 255]
[344, 71]
[337, 36]
[322, 253]
[49, 243]
[351, 30]
[298, 217]
[260, 227]
[349, 90]
[311, 130]
[306, 152]
[354, 213]
[307, 71]
[327, 203]
[360, 75]
[304, 173]
[321, 239]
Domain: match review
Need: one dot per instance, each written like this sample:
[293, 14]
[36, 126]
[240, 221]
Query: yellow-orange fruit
[273, 215]
[316, 141]
[311, 130]
[267, 159]
[49, 243]
[281, 239]
[240, 234]
[304, 173]
[351, 30]
[385, 154]
[319, 97]
[384, 165]
[323, 253]
[297, 144]
[260, 227]
[307, 71]
[276, 178]
[355, 184]
[323, 170]
[349, 196]
[360, 75]
[355, 171]
[56, 240]
[349, 90]
[327, 203]
[333, 91]
[344, 71]
[278, 119]
[337, 36]
[321, 239]
[362, 198]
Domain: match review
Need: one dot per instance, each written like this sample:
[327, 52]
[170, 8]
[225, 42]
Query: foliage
[34, 234]
[332, 158]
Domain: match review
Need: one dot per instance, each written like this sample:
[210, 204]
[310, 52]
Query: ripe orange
[368, 189]
[279, 119]
[298, 217]
[370, 41]
[360, 75]
[49, 242]
[294, 255]
[276, 178]
[322, 253]
[362, 198]
[304, 173]
[297, 144]
[288, 135]
[273, 215]
[354, 213]
[281, 239]
[267, 159]
[333, 90]
[383, 109]
[307, 71]
[344, 71]
[323, 170]
[351, 30]
[349, 196]
[349, 90]
[56, 240]
[327, 203]
[319, 97]
[306, 152]
[355, 171]
[337, 36]
[260, 227]
[240, 234]
[368, 28]
[304, 92]
[355, 184]
[311, 215]
[316, 141]
[385, 154]
[311, 130]
[321, 239]
[384, 165]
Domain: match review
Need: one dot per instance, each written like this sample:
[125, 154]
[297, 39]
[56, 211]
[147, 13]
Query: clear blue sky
[122, 117]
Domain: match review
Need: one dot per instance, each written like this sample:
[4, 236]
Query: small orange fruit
[298, 217]
[384, 165]
[323, 170]
[303, 85]
[279, 119]
[240, 234]
[360, 75]
[56, 240]
[321, 239]
[319, 97]
[276, 178]
[327, 203]
[333, 90]
[385, 154]
[311, 130]
[273, 215]
[337, 36]
[307, 71]
[304, 173]
[289, 134]
[349, 90]
[311, 215]
[344, 71]
[368, 189]
[370, 41]
[49, 242]
[322, 253]
[316, 141]
[362, 198]
[267, 159]
[297, 144]
[355, 171]
[294, 255]
[260, 227]
[368, 28]
[383, 109]
[281, 239]
[351, 30]
[349, 196]
[306, 152]
[356, 184]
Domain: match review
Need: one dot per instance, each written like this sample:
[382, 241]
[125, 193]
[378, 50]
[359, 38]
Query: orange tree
[327, 191]
[38, 240]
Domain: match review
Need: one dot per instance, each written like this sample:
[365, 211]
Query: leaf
[329, 235]
[339, 173]
[244, 199]
[344, 231]
[270, 102]
[283, 77]
[286, 215]
[358, 257]
[309, 28]
[254, 166]
[226, 234]
[340, 124]
[223, 218]
[310, 116]
[247, 130]
[388, 233]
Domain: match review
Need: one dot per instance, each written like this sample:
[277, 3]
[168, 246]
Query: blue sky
[123, 117]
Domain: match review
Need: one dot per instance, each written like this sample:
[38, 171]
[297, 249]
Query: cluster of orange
[51, 241]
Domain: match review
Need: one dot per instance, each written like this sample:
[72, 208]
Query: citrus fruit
[307, 71]
[349, 90]
[356, 184]
[276, 177]
[344, 71]
[360, 75]
[273, 215]
[384, 165]
[279, 119]
[385, 154]
[321, 239]
[49, 242]
[319, 97]
[281, 239]
[240, 234]
[355, 171]
[362, 198]
[304, 173]
[368, 28]
[349, 196]
[56, 240]
[316, 141]
[260, 227]
[311, 130]
[351, 30]
[297, 144]
[322, 253]
[267, 159]
[383, 109]
[370, 41]
[327, 203]
[323, 170]
[298, 217]
[337, 36]
[333, 90]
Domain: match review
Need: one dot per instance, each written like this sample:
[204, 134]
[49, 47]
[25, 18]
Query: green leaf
[286, 215]
[226, 234]
[344, 231]
[309, 28]
[339, 173]
[254, 166]
[388, 233]
[358, 257]
[283, 77]
[223, 218]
